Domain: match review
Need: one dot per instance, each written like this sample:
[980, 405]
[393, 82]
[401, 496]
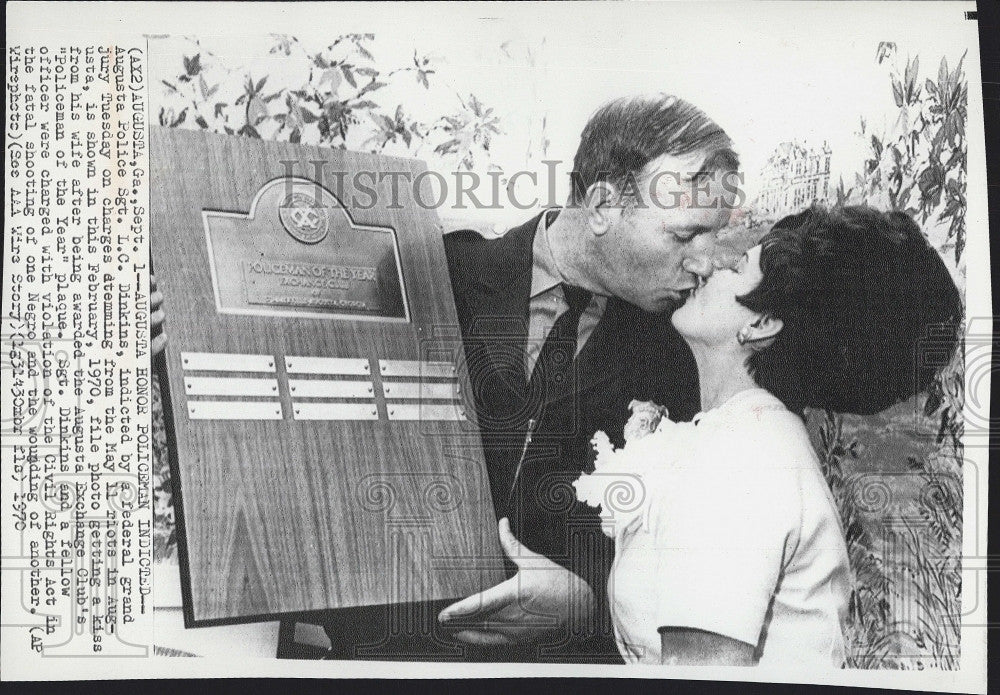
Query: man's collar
[544, 272]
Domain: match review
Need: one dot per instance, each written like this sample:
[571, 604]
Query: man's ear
[600, 207]
[764, 328]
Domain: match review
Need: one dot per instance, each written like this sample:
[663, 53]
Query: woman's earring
[743, 336]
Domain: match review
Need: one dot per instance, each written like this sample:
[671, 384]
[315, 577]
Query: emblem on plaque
[304, 218]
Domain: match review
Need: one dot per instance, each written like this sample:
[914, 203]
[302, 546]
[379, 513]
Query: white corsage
[621, 480]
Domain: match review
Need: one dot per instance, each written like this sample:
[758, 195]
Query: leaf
[295, 136]
[349, 75]
[202, 87]
[931, 87]
[877, 147]
[911, 76]
[218, 109]
[249, 131]
[192, 66]
[332, 77]
[885, 50]
[200, 120]
[371, 87]
[260, 85]
[171, 87]
[897, 92]
[256, 111]
[364, 51]
[308, 116]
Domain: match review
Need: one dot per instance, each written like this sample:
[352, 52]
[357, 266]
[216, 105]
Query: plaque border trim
[251, 214]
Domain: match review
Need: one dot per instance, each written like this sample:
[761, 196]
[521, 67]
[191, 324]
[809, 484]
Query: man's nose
[699, 265]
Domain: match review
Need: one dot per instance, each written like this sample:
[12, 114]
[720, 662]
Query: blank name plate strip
[226, 362]
[424, 411]
[334, 411]
[226, 386]
[234, 410]
[339, 366]
[323, 388]
[420, 390]
[416, 369]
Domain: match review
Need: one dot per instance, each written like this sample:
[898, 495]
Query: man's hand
[534, 606]
[156, 318]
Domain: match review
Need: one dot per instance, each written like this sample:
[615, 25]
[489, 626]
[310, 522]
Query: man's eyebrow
[706, 170]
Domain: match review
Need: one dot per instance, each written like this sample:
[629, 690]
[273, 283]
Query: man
[564, 321]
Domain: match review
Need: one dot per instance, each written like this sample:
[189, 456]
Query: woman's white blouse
[733, 530]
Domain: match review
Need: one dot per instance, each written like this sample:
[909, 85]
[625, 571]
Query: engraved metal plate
[326, 266]
[409, 390]
[414, 368]
[234, 410]
[322, 388]
[334, 411]
[343, 366]
[226, 386]
[425, 412]
[226, 362]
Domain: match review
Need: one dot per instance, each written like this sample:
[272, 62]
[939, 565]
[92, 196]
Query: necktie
[552, 373]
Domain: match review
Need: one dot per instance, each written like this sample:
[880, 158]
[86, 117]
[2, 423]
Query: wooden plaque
[324, 448]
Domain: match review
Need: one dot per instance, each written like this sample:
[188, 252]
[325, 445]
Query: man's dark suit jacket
[630, 355]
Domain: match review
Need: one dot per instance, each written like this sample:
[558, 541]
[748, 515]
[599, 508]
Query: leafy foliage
[345, 99]
[905, 607]
[918, 164]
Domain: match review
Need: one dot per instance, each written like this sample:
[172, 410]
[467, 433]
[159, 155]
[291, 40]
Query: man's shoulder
[464, 236]
[471, 252]
[465, 250]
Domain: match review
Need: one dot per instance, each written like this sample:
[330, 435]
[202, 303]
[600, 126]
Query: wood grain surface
[283, 516]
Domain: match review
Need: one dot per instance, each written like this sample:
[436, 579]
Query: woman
[729, 549]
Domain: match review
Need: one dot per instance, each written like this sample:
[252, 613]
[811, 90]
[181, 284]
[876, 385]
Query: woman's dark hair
[870, 311]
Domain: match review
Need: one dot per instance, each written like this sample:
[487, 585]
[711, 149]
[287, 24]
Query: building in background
[795, 176]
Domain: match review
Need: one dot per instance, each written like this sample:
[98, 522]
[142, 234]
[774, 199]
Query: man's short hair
[625, 134]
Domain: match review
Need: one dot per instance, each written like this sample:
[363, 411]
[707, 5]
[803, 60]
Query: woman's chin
[681, 320]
